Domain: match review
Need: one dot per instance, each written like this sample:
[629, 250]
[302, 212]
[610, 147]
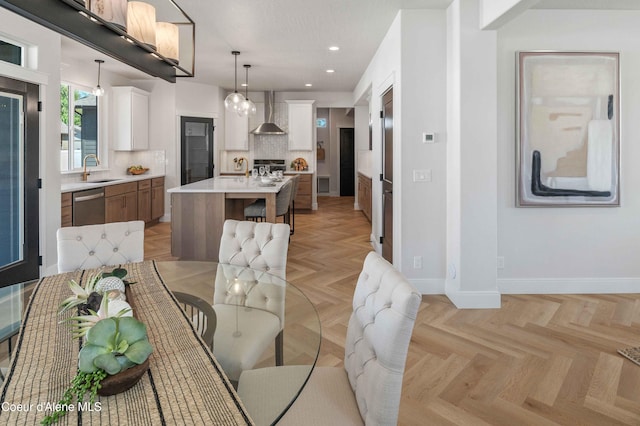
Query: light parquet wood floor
[539, 360]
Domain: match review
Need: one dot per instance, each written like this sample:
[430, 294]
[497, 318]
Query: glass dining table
[261, 321]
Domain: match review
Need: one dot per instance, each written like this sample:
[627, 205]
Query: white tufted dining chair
[367, 390]
[262, 247]
[94, 246]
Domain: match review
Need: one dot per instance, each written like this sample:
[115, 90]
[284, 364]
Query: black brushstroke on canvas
[537, 188]
[610, 107]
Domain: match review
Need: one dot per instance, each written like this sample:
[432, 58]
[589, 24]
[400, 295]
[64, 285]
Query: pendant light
[234, 100]
[98, 91]
[247, 107]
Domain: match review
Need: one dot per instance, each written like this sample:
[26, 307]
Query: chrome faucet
[84, 165]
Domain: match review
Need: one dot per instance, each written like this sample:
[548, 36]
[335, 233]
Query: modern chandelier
[98, 91]
[247, 107]
[233, 102]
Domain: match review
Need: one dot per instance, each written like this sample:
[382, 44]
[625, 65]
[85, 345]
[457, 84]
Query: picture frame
[568, 129]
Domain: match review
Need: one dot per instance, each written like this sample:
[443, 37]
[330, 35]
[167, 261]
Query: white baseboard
[474, 299]
[568, 285]
[429, 285]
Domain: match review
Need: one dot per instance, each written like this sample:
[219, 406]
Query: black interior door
[19, 163]
[347, 163]
[387, 175]
[196, 141]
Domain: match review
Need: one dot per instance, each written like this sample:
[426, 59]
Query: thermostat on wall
[428, 137]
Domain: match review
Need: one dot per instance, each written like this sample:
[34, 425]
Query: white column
[471, 159]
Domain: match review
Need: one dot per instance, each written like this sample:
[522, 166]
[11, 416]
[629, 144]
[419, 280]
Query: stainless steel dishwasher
[88, 207]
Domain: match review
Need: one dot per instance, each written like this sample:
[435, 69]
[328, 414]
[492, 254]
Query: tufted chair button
[78, 238]
[115, 249]
[103, 236]
[267, 268]
[91, 253]
[127, 233]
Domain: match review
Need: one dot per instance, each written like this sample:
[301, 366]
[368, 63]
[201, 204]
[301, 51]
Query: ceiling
[286, 41]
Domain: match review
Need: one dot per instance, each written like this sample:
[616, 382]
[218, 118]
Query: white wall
[423, 110]
[471, 160]
[570, 249]
[412, 56]
[382, 72]
[47, 73]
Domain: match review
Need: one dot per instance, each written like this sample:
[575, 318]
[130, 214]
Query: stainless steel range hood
[268, 127]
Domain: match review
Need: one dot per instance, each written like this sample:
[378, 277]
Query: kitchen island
[199, 209]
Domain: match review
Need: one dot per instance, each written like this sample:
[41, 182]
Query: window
[78, 127]
[11, 53]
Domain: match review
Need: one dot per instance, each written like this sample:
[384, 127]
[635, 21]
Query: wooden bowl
[138, 171]
[124, 380]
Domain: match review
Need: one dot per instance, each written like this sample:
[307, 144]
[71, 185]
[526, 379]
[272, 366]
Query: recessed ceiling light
[330, 71]
[334, 48]
[308, 84]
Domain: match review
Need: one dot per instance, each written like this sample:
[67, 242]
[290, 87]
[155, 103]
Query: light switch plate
[423, 175]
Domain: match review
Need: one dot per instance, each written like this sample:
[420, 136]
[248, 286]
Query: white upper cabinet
[236, 132]
[130, 119]
[300, 125]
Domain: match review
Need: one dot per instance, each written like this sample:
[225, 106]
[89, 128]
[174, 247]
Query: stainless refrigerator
[196, 141]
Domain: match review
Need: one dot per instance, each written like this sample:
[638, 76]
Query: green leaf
[108, 363]
[131, 329]
[139, 351]
[102, 333]
[119, 272]
[122, 347]
[87, 355]
[125, 362]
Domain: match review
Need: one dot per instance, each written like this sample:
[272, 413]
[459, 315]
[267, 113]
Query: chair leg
[292, 216]
[280, 348]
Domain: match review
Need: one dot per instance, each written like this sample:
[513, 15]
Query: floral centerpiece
[114, 342]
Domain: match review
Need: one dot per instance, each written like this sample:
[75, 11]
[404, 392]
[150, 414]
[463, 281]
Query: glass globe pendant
[233, 102]
[247, 107]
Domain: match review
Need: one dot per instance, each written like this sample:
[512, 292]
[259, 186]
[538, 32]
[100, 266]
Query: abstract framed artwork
[568, 126]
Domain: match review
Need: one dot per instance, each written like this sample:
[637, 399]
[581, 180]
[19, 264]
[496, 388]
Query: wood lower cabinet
[144, 200]
[121, 202]
[305, 189]
[157, 198]
[66, 216]
[364, 195]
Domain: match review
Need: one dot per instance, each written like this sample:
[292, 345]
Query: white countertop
[301, 172]
[365, 173]
[228, 184]
[80, 186]
[287, 172]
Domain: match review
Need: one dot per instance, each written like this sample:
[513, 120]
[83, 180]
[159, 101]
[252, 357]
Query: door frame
[340, 159]
[28, 268]
[393, 174]
[181, 118]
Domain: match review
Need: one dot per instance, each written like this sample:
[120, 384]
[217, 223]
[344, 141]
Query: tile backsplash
[267, 146]
[119, 162]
